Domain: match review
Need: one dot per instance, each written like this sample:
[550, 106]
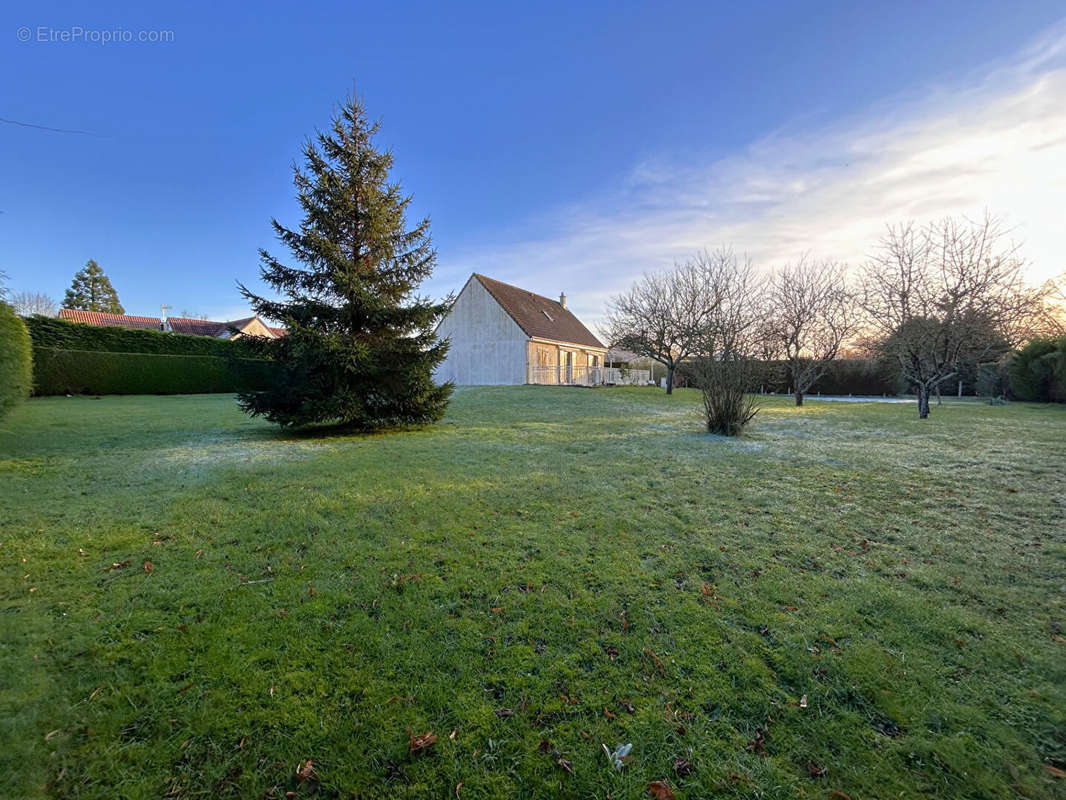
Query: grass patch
[194, 605]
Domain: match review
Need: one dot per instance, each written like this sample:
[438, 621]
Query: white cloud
[995, 141]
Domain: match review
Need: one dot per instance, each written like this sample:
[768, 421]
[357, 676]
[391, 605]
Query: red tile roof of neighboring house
[186, 325]
[113, 320]
[538, 316]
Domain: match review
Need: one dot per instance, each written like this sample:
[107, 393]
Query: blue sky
[560, 147]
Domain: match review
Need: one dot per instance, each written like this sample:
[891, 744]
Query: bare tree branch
[29, 303]
[811, 314]
[662, 316]
[725, 365]
[943, 295]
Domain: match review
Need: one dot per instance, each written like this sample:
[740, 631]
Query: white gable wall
[488, 347]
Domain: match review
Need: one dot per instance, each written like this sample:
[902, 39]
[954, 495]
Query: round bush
[16, 363]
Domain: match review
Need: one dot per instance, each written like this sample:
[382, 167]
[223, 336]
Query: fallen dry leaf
[418, 743]
[656, 660]
[1058, 773]
[562, 762]
[660, 790]
[803, 701]
[148, 566]
[117, 565]
[306, 771]
[682, 766]
[758, 744]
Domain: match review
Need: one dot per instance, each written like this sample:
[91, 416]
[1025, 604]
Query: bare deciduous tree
[810, 316]
[1050, 317]
[661, 317]
[725, 365]
[28, 303]
[934, 294]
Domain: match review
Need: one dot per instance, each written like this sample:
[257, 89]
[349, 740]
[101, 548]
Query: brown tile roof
[538, 316]
[113, 320]
[197, 327]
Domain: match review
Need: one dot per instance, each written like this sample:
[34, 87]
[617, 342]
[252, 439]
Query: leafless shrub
[725, 368]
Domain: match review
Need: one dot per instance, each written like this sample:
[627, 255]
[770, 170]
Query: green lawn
[195, 605]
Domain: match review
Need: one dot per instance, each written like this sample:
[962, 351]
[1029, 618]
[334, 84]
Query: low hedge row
[15, 363]
[61, 371]
[62, 334]
[859, 376]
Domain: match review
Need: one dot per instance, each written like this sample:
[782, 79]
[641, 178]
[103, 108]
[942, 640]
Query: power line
[46, 128]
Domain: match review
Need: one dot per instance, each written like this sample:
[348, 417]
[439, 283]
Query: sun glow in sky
[995, 141]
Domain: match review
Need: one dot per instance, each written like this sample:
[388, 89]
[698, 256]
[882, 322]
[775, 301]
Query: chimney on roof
[163, 325]
[562, 299]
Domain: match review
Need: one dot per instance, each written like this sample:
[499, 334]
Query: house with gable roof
[501, 334]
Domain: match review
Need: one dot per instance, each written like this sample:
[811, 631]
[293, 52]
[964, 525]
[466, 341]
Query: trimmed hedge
[16, 364]
[97, 372]
[61, 334]
[858, 376]
[1038, 371]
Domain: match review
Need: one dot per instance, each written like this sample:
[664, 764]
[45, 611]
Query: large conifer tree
[91, 290]
[360, 348]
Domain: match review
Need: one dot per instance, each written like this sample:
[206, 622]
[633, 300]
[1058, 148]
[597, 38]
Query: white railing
[562, 375]
[620, 376]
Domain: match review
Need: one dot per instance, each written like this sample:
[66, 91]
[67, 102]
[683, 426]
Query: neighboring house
[501, 334]
[249, 326]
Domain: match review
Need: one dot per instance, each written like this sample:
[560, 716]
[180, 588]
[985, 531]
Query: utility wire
[46, 128]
